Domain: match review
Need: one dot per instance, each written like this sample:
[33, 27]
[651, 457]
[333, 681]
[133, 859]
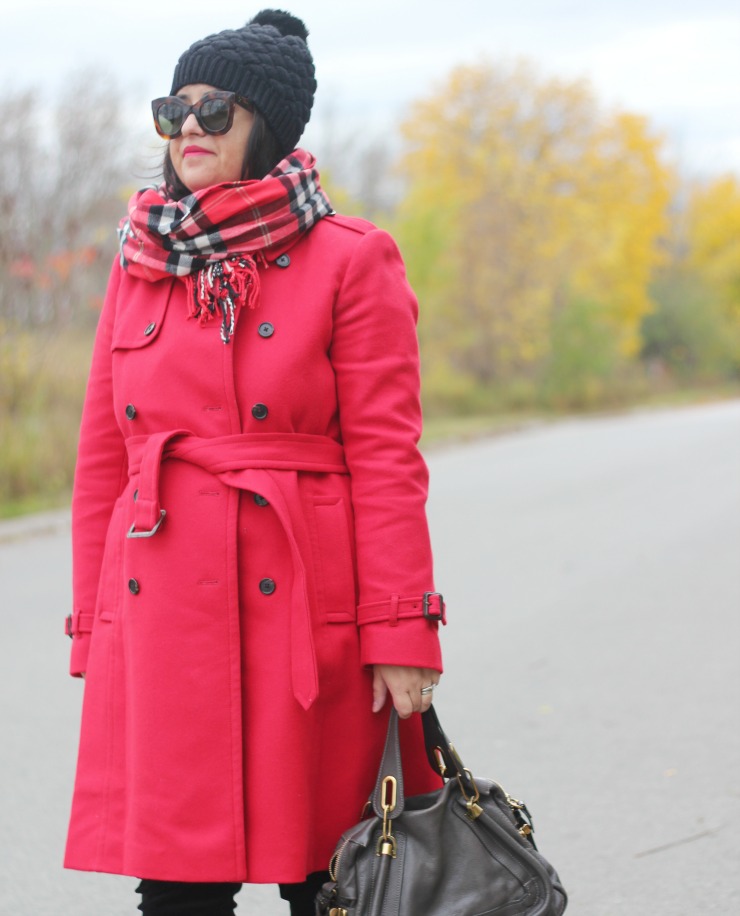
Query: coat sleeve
[99, 478]
[375, 356]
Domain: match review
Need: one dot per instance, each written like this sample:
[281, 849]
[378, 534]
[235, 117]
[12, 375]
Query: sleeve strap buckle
[433, 607]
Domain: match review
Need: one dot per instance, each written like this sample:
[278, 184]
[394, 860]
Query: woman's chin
[199, 175]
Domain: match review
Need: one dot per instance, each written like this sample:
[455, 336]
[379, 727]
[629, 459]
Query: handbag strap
[442, 756]
[390, 768]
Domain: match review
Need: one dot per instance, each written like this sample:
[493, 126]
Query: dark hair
[262, 154]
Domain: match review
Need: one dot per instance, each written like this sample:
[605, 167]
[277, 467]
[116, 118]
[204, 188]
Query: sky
[675, 62]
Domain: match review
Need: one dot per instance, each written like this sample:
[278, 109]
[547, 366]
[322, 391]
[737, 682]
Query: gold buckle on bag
[386, 841]
[471, 802]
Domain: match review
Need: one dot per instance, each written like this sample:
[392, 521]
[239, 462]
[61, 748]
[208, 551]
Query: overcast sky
[677, 62]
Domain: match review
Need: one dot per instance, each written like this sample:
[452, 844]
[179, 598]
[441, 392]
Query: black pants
[182, 898]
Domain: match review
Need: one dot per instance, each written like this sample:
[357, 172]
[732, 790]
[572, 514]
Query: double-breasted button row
[267, 586]
[266, 329]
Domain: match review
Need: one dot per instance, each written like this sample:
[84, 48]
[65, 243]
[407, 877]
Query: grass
[443, 430]
[42, 385]
[33, 504]
[685, 397]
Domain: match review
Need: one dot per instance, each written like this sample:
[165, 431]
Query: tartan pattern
[162, 237]
[214, 237]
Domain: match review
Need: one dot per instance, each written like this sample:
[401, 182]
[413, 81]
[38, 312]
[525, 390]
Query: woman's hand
[404, 685]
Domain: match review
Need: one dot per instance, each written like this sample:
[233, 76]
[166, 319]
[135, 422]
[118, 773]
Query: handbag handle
[442, 756]
[441, 753]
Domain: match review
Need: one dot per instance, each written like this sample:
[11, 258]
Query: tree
[63, 168]
[694, 333]
[61, 197]
[524, 197]
[713, 244]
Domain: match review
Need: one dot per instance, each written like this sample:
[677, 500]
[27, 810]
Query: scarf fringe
[224, 286]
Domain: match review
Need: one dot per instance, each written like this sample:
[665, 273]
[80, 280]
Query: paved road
[592, 569]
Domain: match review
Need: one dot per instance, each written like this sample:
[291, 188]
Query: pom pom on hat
[285, 23]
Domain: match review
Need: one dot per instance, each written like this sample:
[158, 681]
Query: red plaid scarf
[214, 237]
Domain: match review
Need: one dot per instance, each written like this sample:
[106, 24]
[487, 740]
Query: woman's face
[202, 159]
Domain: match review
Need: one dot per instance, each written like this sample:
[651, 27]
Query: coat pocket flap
[141, 311]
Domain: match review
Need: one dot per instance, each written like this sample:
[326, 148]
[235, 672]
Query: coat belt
[264, 463]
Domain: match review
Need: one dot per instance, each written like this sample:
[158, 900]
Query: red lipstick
[196, 151]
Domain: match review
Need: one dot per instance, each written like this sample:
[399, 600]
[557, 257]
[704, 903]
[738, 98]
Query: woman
[252, 569]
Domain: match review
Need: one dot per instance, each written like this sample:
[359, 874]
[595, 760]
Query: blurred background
[563, 179]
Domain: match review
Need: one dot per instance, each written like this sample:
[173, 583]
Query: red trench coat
[227, 732]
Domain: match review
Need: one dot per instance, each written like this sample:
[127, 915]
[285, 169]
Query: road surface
[592, 574]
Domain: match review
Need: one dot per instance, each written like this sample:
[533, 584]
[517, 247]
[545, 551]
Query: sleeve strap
[78, 623]
[430, 605]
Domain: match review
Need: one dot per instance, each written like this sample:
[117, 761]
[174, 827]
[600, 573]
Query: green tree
[689, 334]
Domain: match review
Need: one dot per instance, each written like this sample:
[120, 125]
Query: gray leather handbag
[464, 850]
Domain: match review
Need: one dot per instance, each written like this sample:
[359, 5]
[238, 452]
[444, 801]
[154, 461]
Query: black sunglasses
[214, 112]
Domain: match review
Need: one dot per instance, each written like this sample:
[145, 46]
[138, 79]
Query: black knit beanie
[267, 61]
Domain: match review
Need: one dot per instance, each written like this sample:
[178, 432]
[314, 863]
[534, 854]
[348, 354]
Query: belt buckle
[429, 612]
[133, 533]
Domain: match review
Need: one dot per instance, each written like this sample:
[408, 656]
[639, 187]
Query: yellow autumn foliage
[713, 238]
[523, 199]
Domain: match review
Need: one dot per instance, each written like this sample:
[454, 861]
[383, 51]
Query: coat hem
[165, 875]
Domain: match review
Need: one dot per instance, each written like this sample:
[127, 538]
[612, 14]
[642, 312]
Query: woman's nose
[190, 125]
